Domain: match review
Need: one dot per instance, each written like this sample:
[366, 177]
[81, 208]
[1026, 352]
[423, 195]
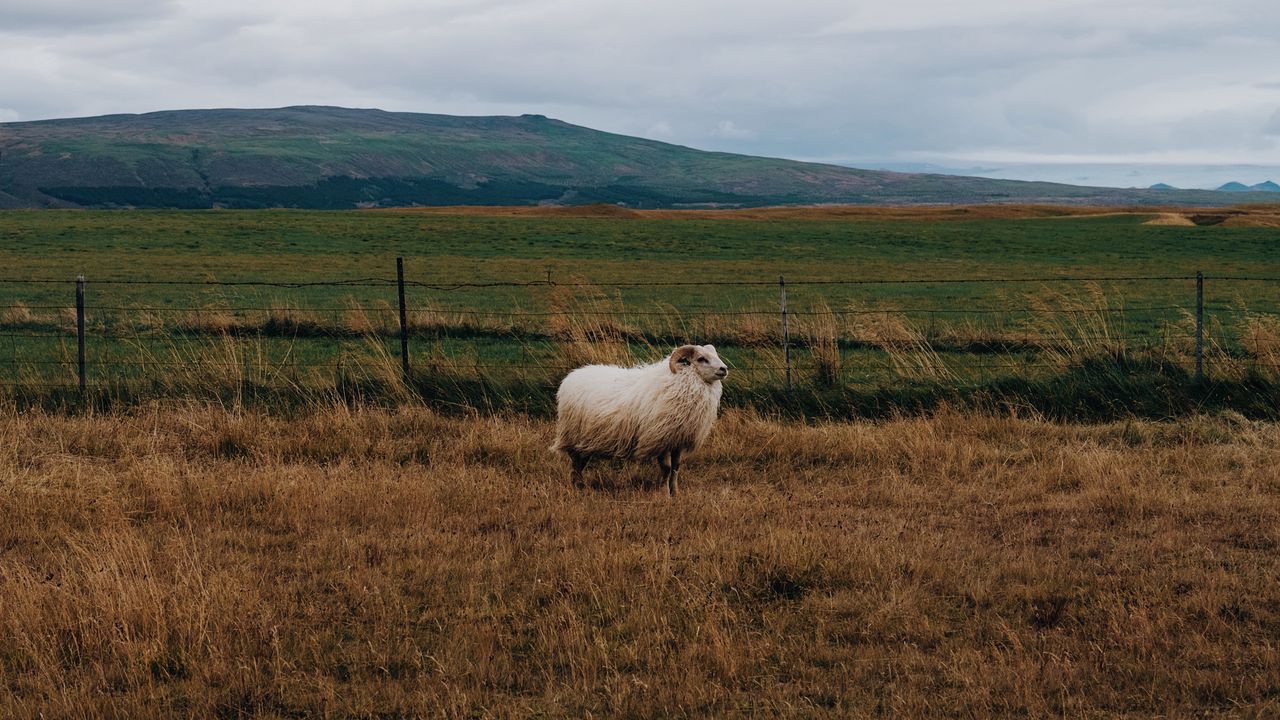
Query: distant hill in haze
[1236, 187]
[328, 157]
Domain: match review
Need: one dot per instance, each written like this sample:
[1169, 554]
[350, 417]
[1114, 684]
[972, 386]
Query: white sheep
[655, 411]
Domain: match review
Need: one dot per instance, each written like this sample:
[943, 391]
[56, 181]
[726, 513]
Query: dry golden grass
[1260, 335]
[1075, 327]
[1260, 219]
[1239, 215]
[191, 562]
[907, 347]
[18, 315]
[823, 338]
[1175, 219]
[591, 328]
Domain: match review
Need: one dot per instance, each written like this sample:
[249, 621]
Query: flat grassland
[869, 338]
[405, 555]
[188, 561]
[451, 245]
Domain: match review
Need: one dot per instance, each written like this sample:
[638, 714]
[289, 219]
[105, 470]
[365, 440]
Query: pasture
[184, 560]
[501, 302]
[979, 498]
[302, 246]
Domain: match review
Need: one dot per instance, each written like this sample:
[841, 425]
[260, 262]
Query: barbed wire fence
[120, 342]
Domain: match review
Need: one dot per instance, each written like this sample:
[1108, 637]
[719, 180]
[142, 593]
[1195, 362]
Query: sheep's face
[699, 359]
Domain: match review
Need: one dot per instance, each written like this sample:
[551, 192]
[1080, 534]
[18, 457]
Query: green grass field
[882, 338]
[300, 246]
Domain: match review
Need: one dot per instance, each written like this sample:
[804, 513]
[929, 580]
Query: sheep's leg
[664, 462]
[579, 464]
[673, 476]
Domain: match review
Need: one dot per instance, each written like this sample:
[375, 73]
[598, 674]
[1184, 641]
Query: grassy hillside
[324, 157]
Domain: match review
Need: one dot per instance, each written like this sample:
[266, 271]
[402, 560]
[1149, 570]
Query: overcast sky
[979, 84]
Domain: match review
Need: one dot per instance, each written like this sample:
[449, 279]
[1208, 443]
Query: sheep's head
[701, 359]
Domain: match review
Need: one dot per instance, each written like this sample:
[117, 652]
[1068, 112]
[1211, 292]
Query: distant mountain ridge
[328, 157]
[1265, 186]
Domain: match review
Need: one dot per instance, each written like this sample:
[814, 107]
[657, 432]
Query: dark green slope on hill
[325, 157]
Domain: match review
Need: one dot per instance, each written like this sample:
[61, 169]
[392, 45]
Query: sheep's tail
[558, 444]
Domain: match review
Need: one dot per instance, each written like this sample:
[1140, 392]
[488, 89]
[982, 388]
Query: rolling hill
[329, 157]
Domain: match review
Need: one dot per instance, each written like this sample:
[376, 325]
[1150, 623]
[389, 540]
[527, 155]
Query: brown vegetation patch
[1208, 218]
[1255, 220]
[597, 210]
[899, 212]
[864, 212]
[368, 563]
[1176, 219]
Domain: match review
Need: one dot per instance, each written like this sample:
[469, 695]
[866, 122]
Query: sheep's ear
[712, 348]
[681, 356]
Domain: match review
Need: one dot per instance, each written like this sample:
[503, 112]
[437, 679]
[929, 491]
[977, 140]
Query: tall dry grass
[198, 562]
[909, 352]
[1066, 324]
[1074, 327]
[1260, 336]
[822, 336]
[1075, 356]
[590, 328]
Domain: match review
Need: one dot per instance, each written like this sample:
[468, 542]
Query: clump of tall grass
[822, 335]
[376, 366]
[905, 345]
[285, 319]
[19, 315]
[1177, 346]
[664, 320]
[213, 319]
[225, 366]
[430, 319]
[144, 320]
[967, 334]
[67, 319]
[1260, 339]
[376, 318]
[1072, 328]
[585, 323]
[756, 329]
[1248, 347]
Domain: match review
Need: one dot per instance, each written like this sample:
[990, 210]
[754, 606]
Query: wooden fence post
[404, 320]
[1199, 327]
[786, 334]
[80, 329]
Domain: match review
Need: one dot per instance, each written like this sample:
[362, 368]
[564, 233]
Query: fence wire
[125, 340]
[445, 287]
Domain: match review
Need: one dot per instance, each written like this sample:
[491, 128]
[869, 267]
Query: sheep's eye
[702, 360]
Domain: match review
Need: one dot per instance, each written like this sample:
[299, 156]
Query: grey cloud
[1273, 124]
[807, 79]
[61, 16]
